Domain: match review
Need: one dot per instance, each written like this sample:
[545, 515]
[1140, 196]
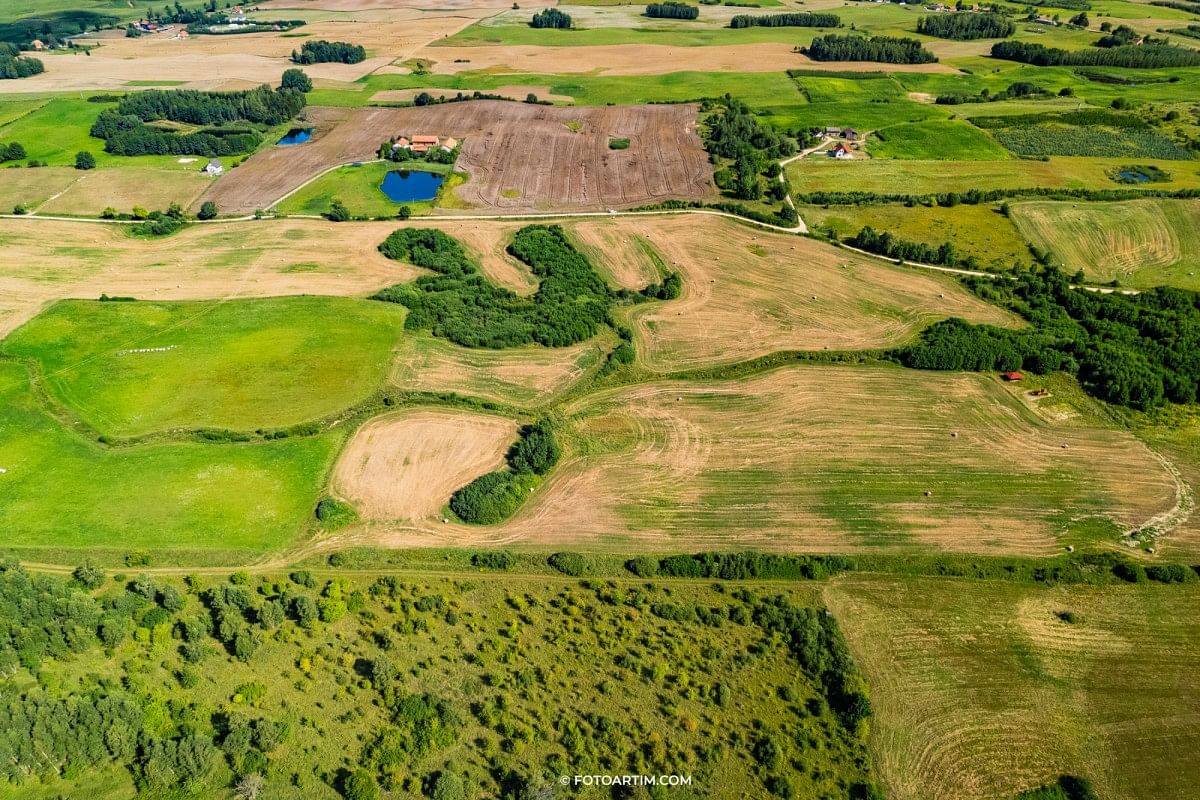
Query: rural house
[850, 134]
[213, 168]
[840, 150]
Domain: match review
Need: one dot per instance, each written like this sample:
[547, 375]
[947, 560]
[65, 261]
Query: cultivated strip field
[519, 157]
[826, 459]
[1139, 243]
[406, 465]
[980, 690]
[747, 293]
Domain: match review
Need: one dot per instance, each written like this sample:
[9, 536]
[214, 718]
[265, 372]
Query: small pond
[1132, 176]
[297, 136]
[407, 186]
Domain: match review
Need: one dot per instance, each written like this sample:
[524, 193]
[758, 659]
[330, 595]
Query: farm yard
[518, 157]
[629, 431]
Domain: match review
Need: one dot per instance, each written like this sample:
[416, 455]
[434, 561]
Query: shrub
[643, 566]
[85, 160]
[208, 210]
[334, 513]
[494, 559]
[573, 564]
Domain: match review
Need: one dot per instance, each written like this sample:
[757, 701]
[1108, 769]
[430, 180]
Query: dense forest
[125, 132]
[15, 65]
[672, 10]
[1132, 350]
[885, 49]
[966, 25]
[801, 19]
[1145, 56]
[550, 18]
[322, 52]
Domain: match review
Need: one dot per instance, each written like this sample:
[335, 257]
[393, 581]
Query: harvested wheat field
[747, 293]
[826, 459]
[405, 466]
[125, 187]
[200, 262]
[520, 157]
[1139, 243]
[642, 59]
[528, 376]
[980, 690]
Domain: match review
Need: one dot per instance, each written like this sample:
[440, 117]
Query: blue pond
[297, 136]
[1130, 175]
[406, 186]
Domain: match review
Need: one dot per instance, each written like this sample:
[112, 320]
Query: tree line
[1131, 350]
[802, 19]
[966, 25]
[672, 10]
[885, 49]
[1134, 56]
[322, 51]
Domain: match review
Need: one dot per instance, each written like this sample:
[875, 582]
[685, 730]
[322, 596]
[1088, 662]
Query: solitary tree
[85, 160]
[337, 211]
[296, 79]
[208, 210]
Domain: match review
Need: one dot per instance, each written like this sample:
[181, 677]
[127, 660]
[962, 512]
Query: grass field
[979, 231]
[825, 459]
[61, 490]
[1140, 243]
[123, 188]
[358, 188]
[981, 691]
[237, 365]
[936, 140]
[32, 187]
[895, 176]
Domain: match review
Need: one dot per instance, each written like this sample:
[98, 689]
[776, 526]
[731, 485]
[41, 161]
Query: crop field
[936, 140]
[980, 230]
[981, 690]
[894, 176]
[523, 376]
[748, 293]
[129, 369]
[518, 156]
[808, 459]
[405, 466]
[1141, 243]
[62, 490]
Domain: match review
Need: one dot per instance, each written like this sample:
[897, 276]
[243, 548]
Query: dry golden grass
[32, 187]
[405, 466]
[515, 91]
[747, 293]
[126, 187]
[980, 691]
[47, 260]
[821, 459]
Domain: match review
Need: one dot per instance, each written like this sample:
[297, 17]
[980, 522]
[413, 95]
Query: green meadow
[135, 368]
[62, 490]
[358, 188]
[936, 140]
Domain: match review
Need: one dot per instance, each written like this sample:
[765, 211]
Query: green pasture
[358, 188]
[239, 365]
[895, 176]
[61, 490]
[670, 33]
[11, 10]
[979, 231]
[936, 140]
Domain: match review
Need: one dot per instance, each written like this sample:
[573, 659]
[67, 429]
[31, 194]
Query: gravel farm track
[519, 156]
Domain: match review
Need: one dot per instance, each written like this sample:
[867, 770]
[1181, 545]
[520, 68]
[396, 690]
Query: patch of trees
[1191, 8]
[801, 19]
[52, 27]
[1130, 350]
[14, 65]
[734, 133]
[672, 10]
[261, 105]
[966, 25]
[1191, 31]
[127, 135]
[322, 51]
[1133, 56]
[889, 246]
[496, 496]
[551, 18]
[162, 223]
[460, 304]
[885, 49]
[296, 80]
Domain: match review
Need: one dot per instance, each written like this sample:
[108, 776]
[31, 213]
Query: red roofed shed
[1013, 376]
